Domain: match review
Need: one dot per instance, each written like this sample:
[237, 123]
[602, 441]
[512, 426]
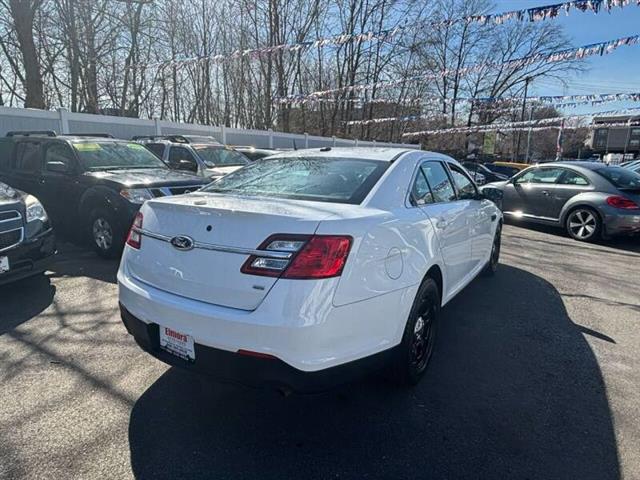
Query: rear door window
[439, 181]
[28, 157]
[573, 178]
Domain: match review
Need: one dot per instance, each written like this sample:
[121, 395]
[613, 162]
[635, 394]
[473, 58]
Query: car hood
[141, 177]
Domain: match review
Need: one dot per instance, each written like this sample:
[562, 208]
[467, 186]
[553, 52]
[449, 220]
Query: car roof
[98, 137]
[90, 138]
[584, 164]
[370, 153]
[249, 147]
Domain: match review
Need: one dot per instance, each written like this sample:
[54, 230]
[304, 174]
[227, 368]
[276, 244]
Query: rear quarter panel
[595, 200]
[394, 249]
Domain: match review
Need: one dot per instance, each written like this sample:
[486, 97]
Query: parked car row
[298, 271]
[96, 183]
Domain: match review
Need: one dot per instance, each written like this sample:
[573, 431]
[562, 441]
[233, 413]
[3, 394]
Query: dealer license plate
[177, 343]
[4, 264]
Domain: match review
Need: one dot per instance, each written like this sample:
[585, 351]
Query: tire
[583, 224]
[492, 266]
[106, 237]
[418, 340]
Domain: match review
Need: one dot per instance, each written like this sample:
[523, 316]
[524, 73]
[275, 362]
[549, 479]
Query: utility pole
[626, 142]
[524, 107]
[526, 158]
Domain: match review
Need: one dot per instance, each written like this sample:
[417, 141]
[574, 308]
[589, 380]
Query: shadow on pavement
[514, 391]
[625, 243]
[81, 261]
[22, 300]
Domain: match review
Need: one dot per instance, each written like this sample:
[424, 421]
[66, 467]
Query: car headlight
[136, 195]
[35, 210]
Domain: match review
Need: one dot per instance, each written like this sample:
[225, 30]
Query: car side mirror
[493, 194]
[57, 167]
[183, 164]
[188, 165]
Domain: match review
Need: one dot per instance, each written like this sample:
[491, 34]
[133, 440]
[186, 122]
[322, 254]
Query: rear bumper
[622, 222]
[233, 367]
[29, 258]
[296, 323]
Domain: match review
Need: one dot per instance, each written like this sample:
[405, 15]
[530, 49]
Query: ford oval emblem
[182, 242]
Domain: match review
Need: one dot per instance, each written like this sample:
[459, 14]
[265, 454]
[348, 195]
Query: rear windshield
[220, 156]
[96, 155]
[335, 180]
[621, 178]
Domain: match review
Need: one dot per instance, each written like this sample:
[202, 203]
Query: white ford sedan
[304, 269]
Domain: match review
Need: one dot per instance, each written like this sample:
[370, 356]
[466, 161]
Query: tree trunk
[22, 12]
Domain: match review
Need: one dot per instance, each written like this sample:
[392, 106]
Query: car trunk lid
[224, 229]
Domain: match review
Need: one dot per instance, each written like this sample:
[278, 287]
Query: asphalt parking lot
[536, 374]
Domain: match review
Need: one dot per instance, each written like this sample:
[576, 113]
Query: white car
[307, 268]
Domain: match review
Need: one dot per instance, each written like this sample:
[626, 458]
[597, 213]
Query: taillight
[134, 239]
[622, 202]
[300, 257]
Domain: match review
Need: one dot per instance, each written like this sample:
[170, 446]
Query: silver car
[590, 200]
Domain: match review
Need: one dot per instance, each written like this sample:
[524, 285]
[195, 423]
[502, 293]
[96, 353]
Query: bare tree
[23, 13]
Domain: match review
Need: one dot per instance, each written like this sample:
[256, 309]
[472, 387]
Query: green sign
[489, 145]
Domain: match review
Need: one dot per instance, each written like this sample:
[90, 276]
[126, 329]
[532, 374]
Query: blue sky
[613, 73]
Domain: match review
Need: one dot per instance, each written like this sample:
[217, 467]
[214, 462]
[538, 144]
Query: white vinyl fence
[63, 121]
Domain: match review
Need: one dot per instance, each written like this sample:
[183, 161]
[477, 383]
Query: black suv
[27, 243]
[94, 183]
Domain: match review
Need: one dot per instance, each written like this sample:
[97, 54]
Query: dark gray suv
[590, 200]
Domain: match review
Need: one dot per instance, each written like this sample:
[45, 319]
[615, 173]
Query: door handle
[545, 193]
[442, 224]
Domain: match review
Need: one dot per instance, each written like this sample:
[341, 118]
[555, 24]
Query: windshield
[305, 178]
[621, 178]
[220, 156]
[96, 155]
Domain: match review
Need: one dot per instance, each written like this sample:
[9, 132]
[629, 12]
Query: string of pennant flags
[559, 101]
[511, 103]
[575, 53]
[526, 124]
[533, 14]
[565, 99]
[508, 128]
